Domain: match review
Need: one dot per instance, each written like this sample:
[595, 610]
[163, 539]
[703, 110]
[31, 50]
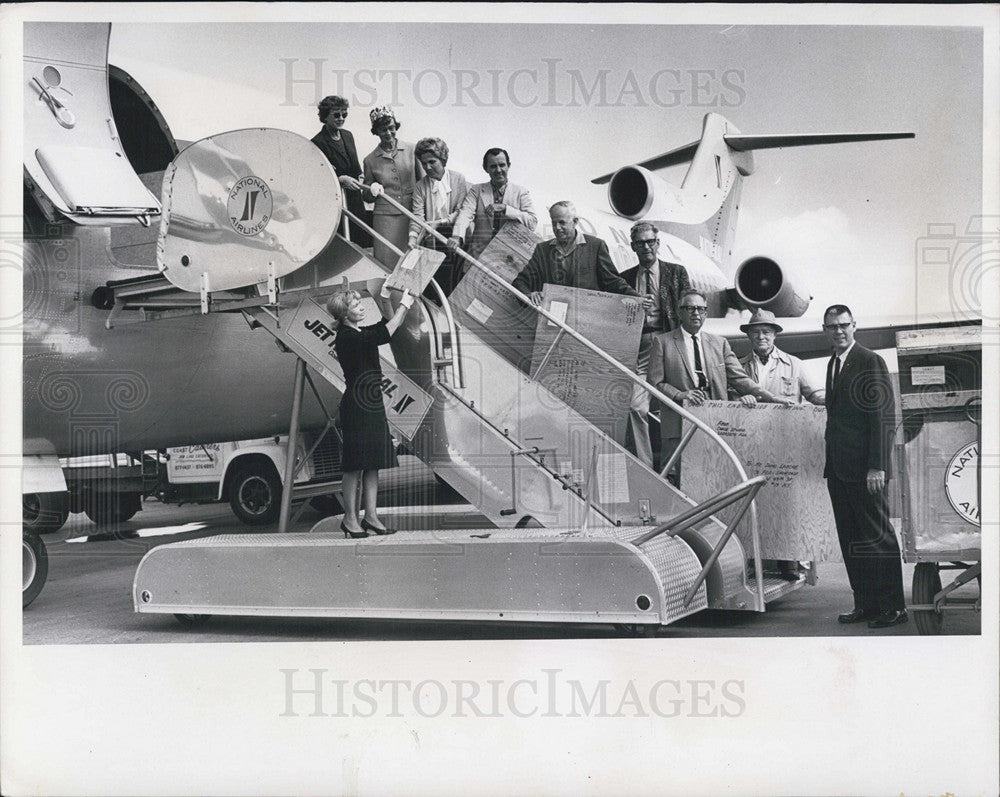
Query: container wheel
[926, 584]
[641, 630]
[192, 620]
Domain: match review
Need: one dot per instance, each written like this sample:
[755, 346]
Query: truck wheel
[108, 509]
[44, 513]
[34, 566]
[926, 584]
[255, 494]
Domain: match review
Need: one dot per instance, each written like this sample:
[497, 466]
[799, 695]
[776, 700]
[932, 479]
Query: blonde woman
[367, 444]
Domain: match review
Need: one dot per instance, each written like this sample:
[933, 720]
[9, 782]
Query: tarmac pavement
[87, 598]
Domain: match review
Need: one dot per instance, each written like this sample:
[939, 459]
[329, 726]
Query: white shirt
[781, 375]
[440, 197]
[843, 356]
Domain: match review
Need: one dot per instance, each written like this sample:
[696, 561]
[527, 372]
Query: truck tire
[255, 493]
[44, 513]
[110, 509]
[34, 566]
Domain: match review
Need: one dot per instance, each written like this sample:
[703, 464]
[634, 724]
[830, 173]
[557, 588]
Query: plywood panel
[574, 373]
[414, 270]
[786, 445]
[490, 309]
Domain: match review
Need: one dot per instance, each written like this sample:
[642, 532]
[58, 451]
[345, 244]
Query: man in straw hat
[774, 370]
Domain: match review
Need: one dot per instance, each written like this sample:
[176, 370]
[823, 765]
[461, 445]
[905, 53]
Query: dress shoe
[888, 619]
[354, 534]
[854, 616]
[375, 529]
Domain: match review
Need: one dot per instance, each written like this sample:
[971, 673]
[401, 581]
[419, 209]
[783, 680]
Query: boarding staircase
[585, 531]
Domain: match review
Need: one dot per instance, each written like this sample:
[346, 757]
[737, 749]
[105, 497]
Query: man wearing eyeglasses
[661, 283]
[691, 367]
[860, 420]
[768, 366]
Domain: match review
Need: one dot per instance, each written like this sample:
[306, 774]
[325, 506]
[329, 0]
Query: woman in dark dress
[367, 444]
[338, 145]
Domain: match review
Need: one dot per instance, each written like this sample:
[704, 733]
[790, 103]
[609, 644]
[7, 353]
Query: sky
[571, 102]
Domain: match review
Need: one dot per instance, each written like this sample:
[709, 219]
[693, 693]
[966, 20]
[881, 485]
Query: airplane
[96, 146]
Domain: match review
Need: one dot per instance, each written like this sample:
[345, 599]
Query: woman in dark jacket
[367, 444]
[338, 145]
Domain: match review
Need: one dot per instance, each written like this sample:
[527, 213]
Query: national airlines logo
[961, 482]
[250, 206]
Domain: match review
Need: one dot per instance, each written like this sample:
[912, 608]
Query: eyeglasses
[646, 242]
[838, 327]
[338, 114]
[692, 309]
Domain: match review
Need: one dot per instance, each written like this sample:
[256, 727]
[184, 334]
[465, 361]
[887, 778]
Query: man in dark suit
[859, 431]
[661, 283]
[691, 367]
[570, 258]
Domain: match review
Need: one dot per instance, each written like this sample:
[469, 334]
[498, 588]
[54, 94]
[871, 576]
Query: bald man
[570, 258]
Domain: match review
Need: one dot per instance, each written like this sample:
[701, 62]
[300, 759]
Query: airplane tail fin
[704, 209]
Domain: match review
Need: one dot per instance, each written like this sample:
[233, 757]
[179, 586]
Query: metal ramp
[499, 439]
[515, 575]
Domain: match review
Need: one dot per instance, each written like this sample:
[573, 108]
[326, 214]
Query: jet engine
[635, 192]
[761, 282]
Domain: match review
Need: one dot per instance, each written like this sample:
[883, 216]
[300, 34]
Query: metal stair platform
[537, 575]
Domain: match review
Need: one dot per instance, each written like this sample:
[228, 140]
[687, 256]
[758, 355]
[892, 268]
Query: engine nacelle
[635, 192]
[761, 282]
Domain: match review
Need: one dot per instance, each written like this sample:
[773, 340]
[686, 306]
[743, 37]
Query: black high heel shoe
[355, 534]
[376, 530]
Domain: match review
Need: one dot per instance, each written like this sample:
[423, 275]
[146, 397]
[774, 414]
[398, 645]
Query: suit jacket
[474, 211]
[674, 280]
[346, 164]
[860, 417]
[671, 372]
[594, 269]
[398, 175]
[423, 199]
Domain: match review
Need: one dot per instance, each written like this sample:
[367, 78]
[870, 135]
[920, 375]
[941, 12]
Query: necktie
[497, 219]
[698, 370]
[833, 372]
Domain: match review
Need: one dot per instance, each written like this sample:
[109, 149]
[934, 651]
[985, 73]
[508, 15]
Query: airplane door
[72, 152]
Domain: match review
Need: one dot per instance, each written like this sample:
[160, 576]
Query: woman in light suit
[437, 199]
[393, 166]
